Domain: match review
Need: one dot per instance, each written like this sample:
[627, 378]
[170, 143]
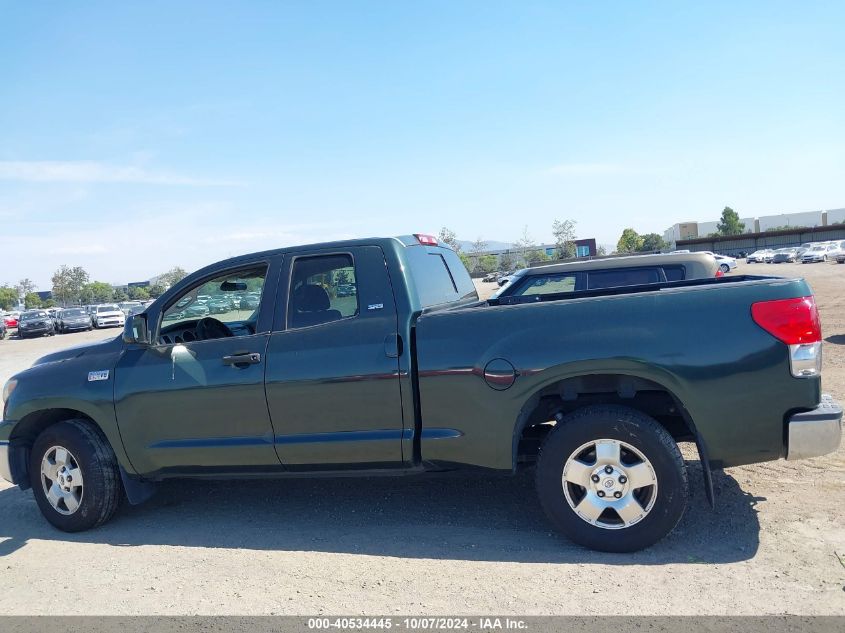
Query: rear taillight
[719, 273]
[796, 323]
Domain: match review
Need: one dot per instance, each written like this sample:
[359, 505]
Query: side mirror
[135, 330]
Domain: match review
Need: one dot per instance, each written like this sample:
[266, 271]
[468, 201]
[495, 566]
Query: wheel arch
[652, 394]
[32, 423]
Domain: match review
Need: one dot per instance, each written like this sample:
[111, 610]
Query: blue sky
[136, 136]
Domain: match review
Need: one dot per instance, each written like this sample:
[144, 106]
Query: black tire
[102, 489]
[644, 434]
[725, 268]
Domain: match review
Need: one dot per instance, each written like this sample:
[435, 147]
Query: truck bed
[602, 292]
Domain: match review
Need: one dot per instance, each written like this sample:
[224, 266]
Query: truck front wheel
[612, 479]
[74, 476]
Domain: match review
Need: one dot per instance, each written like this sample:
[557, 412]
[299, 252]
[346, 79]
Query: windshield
[75, 312]
[107, 309]
[29, 316]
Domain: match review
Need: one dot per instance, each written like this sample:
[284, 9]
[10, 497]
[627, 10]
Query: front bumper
[110, 322]
[41, 329]
[816, 432]
[77, 326]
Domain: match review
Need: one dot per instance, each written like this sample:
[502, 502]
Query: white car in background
[762, 256]
[726, 263]
[109, 315]
[819, 253]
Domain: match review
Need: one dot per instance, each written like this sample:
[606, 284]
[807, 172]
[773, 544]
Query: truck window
[323, 289]
[674, 273]
[233, 298]
[439, 275]
[622, 277]
[547, 284]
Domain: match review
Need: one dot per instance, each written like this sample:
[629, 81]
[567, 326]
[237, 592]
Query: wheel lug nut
[608, 469]
[595, 479]
[623, 479]
[69, 478]
[600, 493]
[617, 494]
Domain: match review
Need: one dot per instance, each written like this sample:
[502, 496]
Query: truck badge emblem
[98, 375]
[375, 306]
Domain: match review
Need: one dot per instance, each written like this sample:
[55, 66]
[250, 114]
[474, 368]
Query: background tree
[156, 290]
[32, 301]
[730, 224]
[68, 283]
[25, 286]
[478, 246]
[601, 250]
[137, 293]
[506, 261]
[630, 242]
[99, 291]
[172, 276]
[449, 238]
[487, 263]
[564, 233]
[8, 297]
[120, 295]
[526, 247]
[652, 242]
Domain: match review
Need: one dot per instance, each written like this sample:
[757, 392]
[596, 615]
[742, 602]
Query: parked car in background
[762, 256]
[346, 290]
[127, 306]
[785, 255]
[220, 305]
[490, 277]
[3, 329]
[109, 315]
[35, 323]
[726, 264]
[73, 320]
[613, 272]
[819, 253]
[10, 320]
[197, 310]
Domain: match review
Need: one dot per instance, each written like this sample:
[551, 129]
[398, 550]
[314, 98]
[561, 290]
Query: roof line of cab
[417, 239]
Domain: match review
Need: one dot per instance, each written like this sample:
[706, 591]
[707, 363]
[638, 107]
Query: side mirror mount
[135, 330]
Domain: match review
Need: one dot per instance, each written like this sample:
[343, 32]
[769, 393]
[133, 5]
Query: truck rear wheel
[612, 479]
[74, 476]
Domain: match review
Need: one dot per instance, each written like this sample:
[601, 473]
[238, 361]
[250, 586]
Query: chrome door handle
[249, 358]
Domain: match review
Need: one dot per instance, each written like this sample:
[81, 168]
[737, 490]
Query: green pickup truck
[376, 356]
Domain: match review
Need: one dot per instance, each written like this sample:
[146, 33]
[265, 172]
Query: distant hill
[466, 246]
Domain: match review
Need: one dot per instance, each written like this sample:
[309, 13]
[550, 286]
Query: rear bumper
[5, 462]
[816, 432]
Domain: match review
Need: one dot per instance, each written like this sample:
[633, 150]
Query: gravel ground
[438, 545]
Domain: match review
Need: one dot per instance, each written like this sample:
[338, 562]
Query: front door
[194, 401]
[333, 369]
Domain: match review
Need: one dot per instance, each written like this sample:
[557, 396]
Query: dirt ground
[438, 545]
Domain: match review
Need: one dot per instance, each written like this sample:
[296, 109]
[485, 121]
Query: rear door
[332, 376]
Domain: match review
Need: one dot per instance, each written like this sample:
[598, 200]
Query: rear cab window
[439, 275]
[622, 277]
[552, 283]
